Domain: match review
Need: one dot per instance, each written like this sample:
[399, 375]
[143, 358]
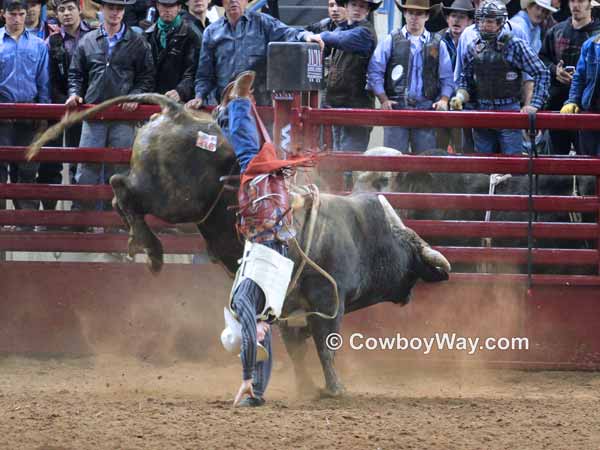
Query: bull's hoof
[332, 392]
[154, 264]
[133, 247]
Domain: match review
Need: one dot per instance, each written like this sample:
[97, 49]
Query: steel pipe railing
[340, 161]
[40, 111]
[446, 119]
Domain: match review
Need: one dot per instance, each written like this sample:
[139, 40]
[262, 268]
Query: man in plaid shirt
[492, 78]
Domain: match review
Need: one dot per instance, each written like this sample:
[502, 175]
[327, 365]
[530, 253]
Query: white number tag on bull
[206, 141]
[271, 271]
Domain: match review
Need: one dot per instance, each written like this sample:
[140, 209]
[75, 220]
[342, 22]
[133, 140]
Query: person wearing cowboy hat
[175, 48]
[235, 43]
[492, 78]
[560, 52]
[411, 69]
[530, 19]
[352, 44]
[458, 16]
[110, 61]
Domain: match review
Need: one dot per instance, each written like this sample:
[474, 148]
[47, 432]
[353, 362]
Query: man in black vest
[411, 69]
[175, 50]
[352, 44]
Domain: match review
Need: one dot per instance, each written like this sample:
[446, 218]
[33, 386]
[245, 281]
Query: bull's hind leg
[294, 340]
[140, 234]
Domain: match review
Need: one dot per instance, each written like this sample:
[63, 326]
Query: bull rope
[314, 211]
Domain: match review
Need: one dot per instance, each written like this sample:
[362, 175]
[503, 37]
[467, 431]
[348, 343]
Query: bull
[359, 240]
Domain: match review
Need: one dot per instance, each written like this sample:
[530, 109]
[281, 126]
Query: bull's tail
[168, 106]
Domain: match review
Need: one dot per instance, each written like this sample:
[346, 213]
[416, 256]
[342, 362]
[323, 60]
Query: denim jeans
[351, 138]
[487, 140]
[102, 134]
[18, 133]
[417, 140]
[589, 142]
[239, 127]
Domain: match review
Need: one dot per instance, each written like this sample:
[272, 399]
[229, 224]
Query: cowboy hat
[546, 4]
[421, 5]
[231, 337]
[373, 4]
[115, 2]
[460, 6]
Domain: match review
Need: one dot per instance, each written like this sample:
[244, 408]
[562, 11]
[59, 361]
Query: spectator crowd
[545, 57]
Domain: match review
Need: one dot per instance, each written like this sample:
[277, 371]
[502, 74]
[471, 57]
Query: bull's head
[435, 266]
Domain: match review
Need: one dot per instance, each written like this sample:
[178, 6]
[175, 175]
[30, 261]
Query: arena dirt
[117, 402]
[156, 378]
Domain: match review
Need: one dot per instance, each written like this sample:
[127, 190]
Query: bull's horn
[391, 215]
[435, 258]
[69, 120]
[431, 256]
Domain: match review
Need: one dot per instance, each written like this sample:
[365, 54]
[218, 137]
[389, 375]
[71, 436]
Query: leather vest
[347, 78]
[265, 213]
[397, 75]
[494, 77]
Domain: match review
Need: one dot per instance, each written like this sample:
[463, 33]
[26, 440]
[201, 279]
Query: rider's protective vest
[398, 70]
[494, 77]
[271, 271]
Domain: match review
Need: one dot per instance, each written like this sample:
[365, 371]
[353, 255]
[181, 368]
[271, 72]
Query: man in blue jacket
[585, 92]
